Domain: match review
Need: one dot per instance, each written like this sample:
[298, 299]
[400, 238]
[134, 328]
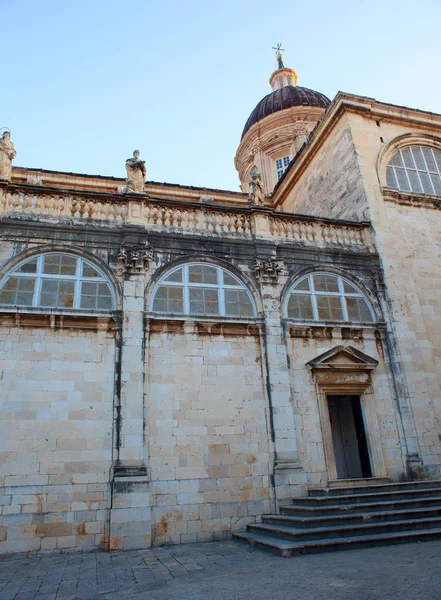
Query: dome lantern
[278, 127]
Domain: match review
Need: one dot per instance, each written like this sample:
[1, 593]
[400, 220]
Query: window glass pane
[427, 184]
[202, 274]
[229, 280]
[325, 283]
[396, 160]
[437, 159]
[28, 267]
[237, 304]
[175, 276]
[329, 308]
[391, 180]
[204, 301]
[414, 181]
[300, 306]
[59, 264]
[430, 159]
[18, 291]
[358, 310]
[169, 299]
[57, 293]
[104, 302]
[418, 157]
[349, 289]
[407, 157]
[402, 180]
[95, 295]
[89, 271]
[436, 181]
[303, 285]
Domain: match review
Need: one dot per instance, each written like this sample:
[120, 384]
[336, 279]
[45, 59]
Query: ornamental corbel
[136, 259]
[268, 270]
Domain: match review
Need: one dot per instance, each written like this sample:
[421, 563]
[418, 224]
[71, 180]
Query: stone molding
[411, 199]
[57, 320]
[203, 327]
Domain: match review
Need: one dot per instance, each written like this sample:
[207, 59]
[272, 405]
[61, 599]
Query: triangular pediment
[343, 357]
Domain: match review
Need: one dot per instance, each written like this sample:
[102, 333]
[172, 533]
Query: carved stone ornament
[136, 259]
[268, 270]
[257, 195]
[136, 173]
[7, 155]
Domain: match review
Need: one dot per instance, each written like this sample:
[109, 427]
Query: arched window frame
[399, 143]
[78, 280]
[415, 169]
[186, 285]
[340, 294]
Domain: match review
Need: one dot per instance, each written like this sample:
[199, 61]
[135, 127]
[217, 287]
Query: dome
[285, 97]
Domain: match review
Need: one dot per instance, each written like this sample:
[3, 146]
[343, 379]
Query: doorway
[349, 437]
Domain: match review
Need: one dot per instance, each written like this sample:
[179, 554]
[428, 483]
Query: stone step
[357, 481]
[304, 522]
[385, 496]
[364, 487]
[341, 531]
[347, 509]
[289, 548]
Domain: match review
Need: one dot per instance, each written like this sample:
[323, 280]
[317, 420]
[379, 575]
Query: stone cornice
[97, 184]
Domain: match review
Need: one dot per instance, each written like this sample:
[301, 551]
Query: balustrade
[190, 220]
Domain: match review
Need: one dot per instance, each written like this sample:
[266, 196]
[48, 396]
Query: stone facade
[128, 427]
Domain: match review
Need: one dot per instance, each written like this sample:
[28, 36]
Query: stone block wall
[331, 186]
[208, 432]
[408, 235]
[56, 422]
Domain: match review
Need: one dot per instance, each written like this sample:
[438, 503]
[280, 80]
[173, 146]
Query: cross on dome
[278, 48]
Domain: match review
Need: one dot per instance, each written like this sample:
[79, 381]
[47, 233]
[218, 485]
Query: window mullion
[344, 308]
[37, 290]
[221, 292]
[186, 290]
[315, 312]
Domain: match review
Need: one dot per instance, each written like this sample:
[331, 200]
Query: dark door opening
[349, 437]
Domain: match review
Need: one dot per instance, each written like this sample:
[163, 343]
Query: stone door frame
[346, 371]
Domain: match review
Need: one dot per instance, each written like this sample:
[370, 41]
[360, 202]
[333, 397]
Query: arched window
[57, 280]
[327, 297]
[415, 169]
[202, 289]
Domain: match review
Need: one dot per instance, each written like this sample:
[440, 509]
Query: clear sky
[85, 82]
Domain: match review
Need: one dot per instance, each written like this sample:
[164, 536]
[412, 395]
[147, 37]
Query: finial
[279, 55]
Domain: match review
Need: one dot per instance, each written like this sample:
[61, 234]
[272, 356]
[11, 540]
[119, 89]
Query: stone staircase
[342, 518]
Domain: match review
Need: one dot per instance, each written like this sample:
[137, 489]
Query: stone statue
[7, 155]
[136, 173]
[257, 195]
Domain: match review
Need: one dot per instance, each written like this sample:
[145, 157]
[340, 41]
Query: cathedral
[178, 362]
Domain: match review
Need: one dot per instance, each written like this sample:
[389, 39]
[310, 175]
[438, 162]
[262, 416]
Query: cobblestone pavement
[227, 571]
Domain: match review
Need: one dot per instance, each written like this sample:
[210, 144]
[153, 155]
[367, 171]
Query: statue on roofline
[257, 195]
[7, 155]
[136, 173]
